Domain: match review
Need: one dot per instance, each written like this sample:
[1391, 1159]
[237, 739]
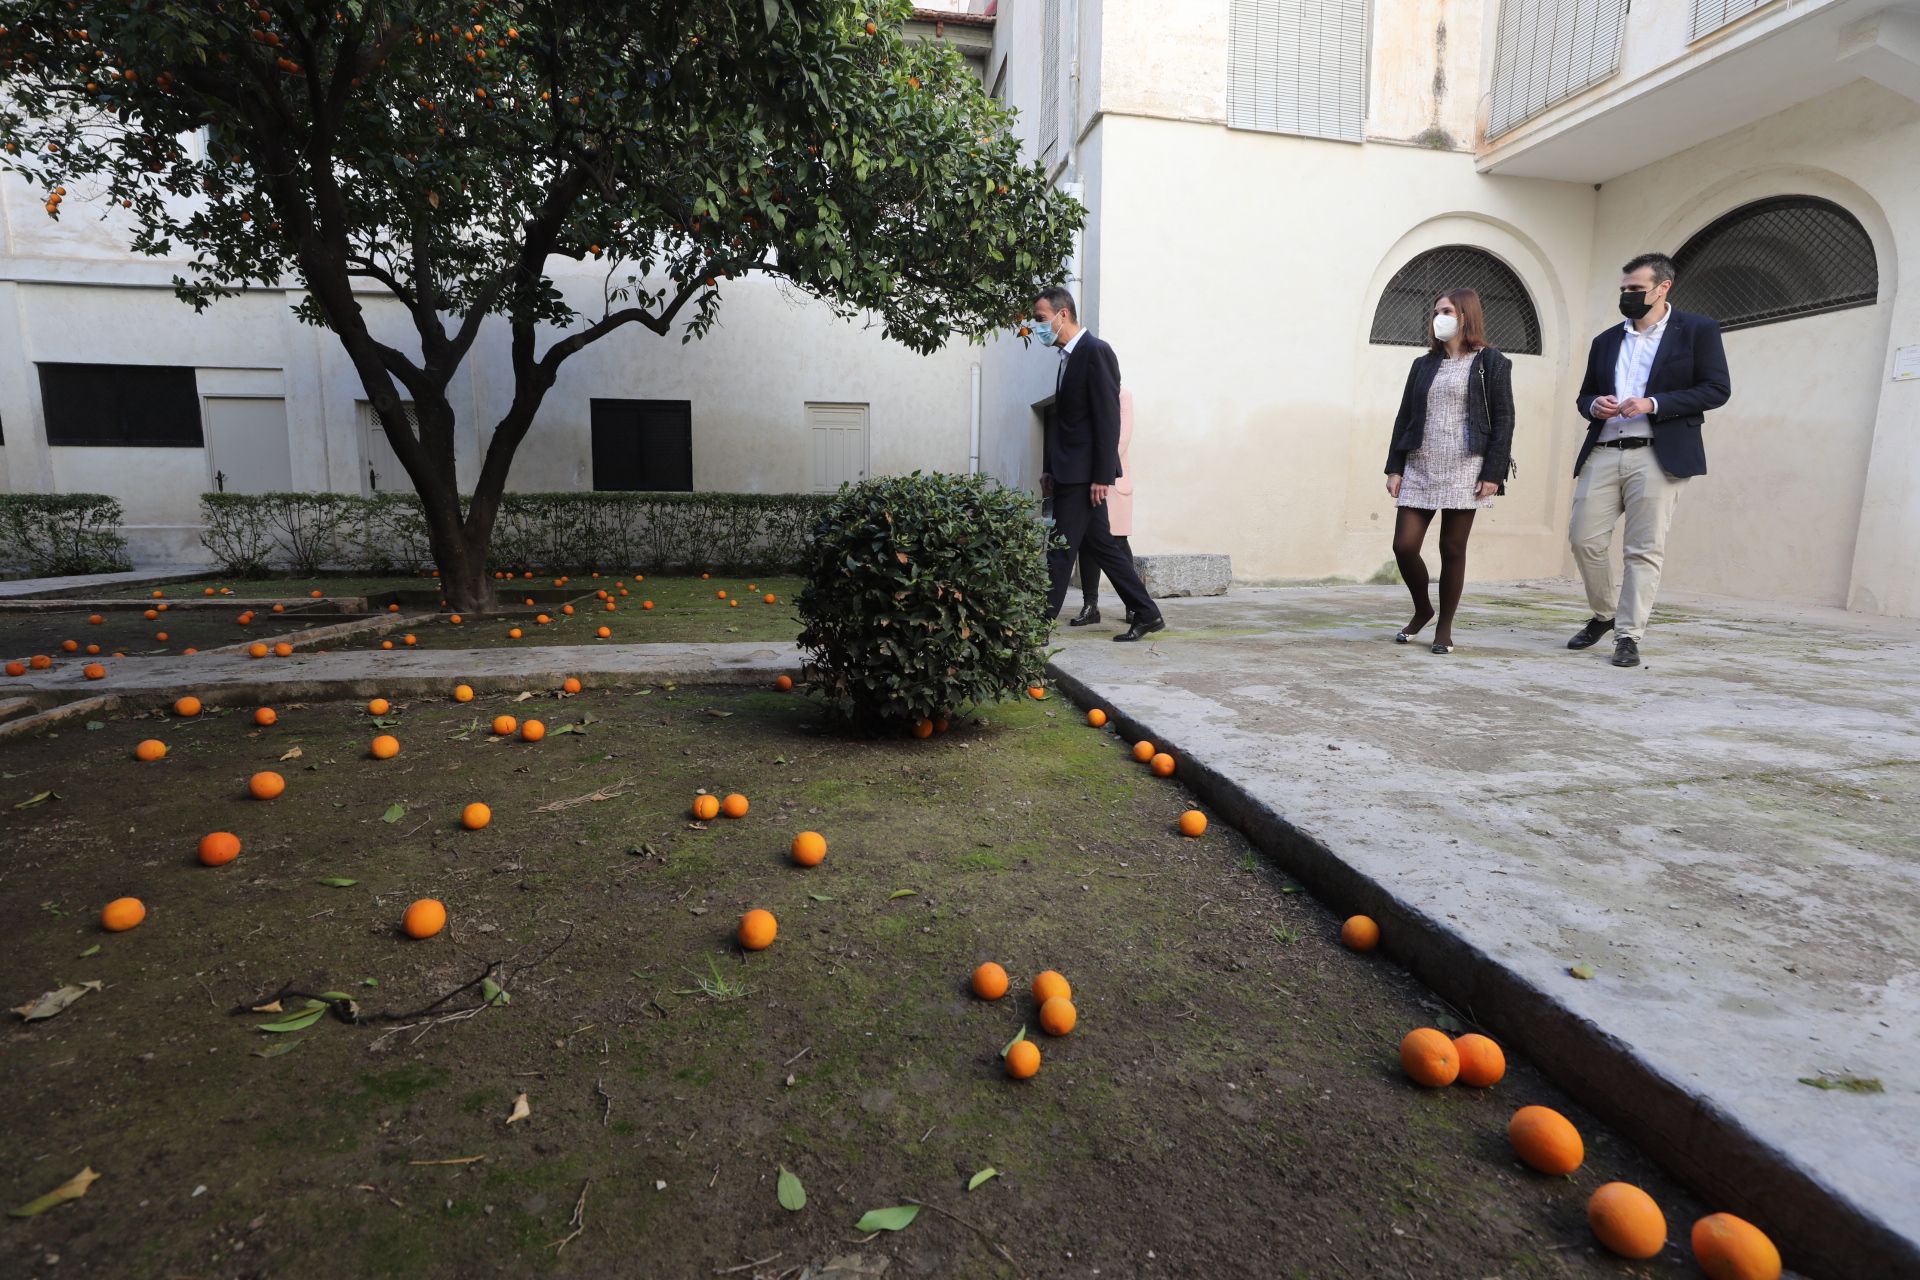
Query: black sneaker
[1589, 635]
[1626, 652]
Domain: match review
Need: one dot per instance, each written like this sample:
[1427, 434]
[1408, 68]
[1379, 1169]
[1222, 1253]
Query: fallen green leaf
[72, 1189]
[904, 893]
[820, 897]
[982, 1176]
[386, 722]
[394, 813]
[369, 982]
[338, 882]
[898, 1218]
[312, 1013]
[565, 728]
[278, 1047]
[93, 950]
[1018, 1036]
[1583, 971]
[793, 1196]
[1450, 1024]
[1849, 1084]
[42, 798]
[492, 992]
[95, 725]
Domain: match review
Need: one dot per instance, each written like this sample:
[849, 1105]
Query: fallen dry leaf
[454, 1160]
[520, 1109]
[272, 1006]
[522, 696]
[72, 1189]
[55, 1001]
[292, 754]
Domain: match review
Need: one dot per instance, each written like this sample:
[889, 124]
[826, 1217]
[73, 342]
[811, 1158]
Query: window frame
[1686, 260]
[71, 425]
[1391, 291]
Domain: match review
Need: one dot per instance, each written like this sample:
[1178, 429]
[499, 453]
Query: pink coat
[1120, 497]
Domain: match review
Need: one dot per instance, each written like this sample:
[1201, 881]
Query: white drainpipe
[973, 419]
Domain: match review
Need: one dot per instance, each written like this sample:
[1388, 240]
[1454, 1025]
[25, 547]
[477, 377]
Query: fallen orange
[706, 808]
[475, 816]
[384, 747]
[1047, 984]
[757, 929]
[1057, 1015]
[1429, 1058]
[734, 806]
[266, 785]
[989, 981]
[424, 918]
[122, 914]
[1547, 1140]
[150, 750]
[809, 848]
[1023, 1059]
[1360, 933]
[219, 848]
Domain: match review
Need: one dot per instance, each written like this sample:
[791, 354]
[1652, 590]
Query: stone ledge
[1185, 575]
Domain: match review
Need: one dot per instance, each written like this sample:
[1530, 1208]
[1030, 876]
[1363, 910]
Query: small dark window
[1402, 318]
[643, 444]
[121, 404]
[1775, 260]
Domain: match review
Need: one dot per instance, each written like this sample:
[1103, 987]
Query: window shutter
[1548, 50]
[1298, 66]
[1711, 15]
[1049, 80]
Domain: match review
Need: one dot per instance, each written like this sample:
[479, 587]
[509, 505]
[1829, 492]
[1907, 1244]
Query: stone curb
[375, 624]
[28, 726]
[1827, 1236]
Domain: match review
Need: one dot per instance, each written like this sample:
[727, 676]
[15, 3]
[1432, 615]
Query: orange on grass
[605, 633]
[463, 693]
[266, 785]
[1359, 933]
[475, 816]
[218, 848]
[257, 650]
[455, 619]
[424, 918]
[1143, 751]
[1047, 984]
[612, 607]
[731, 604]
[16, 668]
[1429, 1058]
[706, 808]
[757, 929]
[1097, 718]
[188, 706]
[532, 731]
[1057, 1015]
[41, 662]
[94, 671]
[989, 981]
[283, 650]
[809, 848]
[570, 685]
[1730, 1248]
[646, 604]
[386, 644]
[150, 750]
[1547, 1140]
[1023, 1059]
[783, 683]
[384, 747]
[923, 728]
[279, 608]
[705, 577]
[734, 806]
[1626, 1220]
[379, 707]
[315, 595]
[122, 914]
[264, 716]
[206, 591]
[1035, 692]
[1193, 823]
[567, 609]
[409, 639]
[1482, 1064]
[504, 725]
[513, 633]
[158, 594]
[1161, 764]
[543, 619]
[769, 598]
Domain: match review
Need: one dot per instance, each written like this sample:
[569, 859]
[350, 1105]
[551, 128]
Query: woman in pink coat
[1119, 520]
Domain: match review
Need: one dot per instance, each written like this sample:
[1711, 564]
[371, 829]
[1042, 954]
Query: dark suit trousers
[1084, 526]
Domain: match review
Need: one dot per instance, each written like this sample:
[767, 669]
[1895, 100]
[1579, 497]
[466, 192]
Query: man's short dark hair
[1662, 266]
[1060, 300]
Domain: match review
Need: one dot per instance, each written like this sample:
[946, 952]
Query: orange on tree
[504, 725]
[475, 816]
[1161, 764]
[1429, 1058]
[1143, 751]
[1057, 1015]
[1482, 1064]
[1023, 1059]
[150, 750]
[266, 785]
[1193, 823]
[757, 929]
[989, 981]
[706, 808]
[532, 731]
[734, 806]
[1360, 933]
[384, 747]
[809, 848]
[1730, 1248]
[1626, 1220]
[424, 918]
[1047, 984]
[1097, 718]
[218, 848]
[1547, 1140]
[122, 914]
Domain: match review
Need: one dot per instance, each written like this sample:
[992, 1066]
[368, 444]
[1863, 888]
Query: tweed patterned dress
[1441, 475]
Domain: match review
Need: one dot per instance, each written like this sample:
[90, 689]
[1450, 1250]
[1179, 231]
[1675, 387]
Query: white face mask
[1444, 327]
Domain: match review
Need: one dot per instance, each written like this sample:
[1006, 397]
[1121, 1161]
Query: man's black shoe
[1143, 627]
[1626, 652]
[1589, 635]
[1089, 613]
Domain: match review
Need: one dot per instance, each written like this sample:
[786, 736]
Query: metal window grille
[1298, 66]
[1776, 260]
[1548, 50]
[1406, 305]
[1049, 80]
[1711, 15]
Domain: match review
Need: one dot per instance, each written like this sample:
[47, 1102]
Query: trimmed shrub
[925, 594]
[238, 530]
[46, 534]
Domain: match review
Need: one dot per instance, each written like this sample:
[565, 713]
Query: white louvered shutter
[1298, 66]
[1711, 15]
[1049, 80]
[1548, 50]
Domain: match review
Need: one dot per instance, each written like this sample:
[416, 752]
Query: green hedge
[46, 534]
[254, 534]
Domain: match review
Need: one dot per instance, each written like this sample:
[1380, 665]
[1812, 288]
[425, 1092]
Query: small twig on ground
[796, 1057]
[715, 1178]
[926, 1135]
[600, 1087]
[996, 1246]
[747, 1266]
[603, 793]
[579, 1222]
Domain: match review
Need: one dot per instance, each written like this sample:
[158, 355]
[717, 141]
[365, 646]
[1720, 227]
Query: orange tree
[444, 156]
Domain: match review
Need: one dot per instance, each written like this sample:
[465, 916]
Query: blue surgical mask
[1043, 333]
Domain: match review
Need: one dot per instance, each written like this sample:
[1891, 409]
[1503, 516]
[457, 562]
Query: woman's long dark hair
[1473, 321]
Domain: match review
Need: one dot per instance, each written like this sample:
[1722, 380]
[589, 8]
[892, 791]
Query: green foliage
[47, 534]
[251, 535]
[925, 594]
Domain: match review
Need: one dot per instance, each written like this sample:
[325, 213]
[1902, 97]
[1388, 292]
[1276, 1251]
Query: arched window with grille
[1406, 305]
[1776, 260]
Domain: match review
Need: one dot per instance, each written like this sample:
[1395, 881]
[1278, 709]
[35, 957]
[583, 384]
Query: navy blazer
[1688, 378]
[1084, 445]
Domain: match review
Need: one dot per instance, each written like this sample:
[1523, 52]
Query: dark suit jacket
[1689, 377]
[1084, 445]
[1489, 414]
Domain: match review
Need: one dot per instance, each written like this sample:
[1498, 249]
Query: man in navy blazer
[1083, 461]
[1649, 385]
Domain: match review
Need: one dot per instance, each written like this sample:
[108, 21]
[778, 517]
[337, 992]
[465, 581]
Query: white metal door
[247, 444]
[382, 472]
[838, 433]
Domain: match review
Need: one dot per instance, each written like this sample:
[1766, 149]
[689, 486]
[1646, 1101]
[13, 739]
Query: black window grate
[1777, 260]
[1406, 305]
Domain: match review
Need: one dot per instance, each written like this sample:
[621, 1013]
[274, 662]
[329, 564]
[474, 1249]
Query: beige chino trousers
[1616, 483]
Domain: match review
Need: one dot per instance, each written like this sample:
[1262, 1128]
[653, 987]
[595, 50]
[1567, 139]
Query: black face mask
[1634, 304]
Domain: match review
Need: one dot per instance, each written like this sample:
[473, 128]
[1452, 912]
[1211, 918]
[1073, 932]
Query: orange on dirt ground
[809, 848]
[424, 918]
[1547, 1140]
[150, 750]
[1730, 1248]
[386, 644]
[218, 848]
[923, 728]
[532, 731]
[1429, 1058]
[95, 619]
[1023, 1060]
[384, 747]
[783, 683]
[1482, 1064]
[186, 707]
[989, 981]
[504, 725]
[1360, 933]
[1057, 1015]
[1047, 984]
[757, 929]
[122, 914]
[266, 785]
[379, 707]
[734, 806]
[71, 646]
[570, 685]
[1193, 823]
[1626, 1220]
[706, 808]
[475, 816]
[1161, 764]
[463, 693]
[1143, 751]
[513, 633]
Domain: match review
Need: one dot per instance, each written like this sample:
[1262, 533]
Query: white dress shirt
[1066, 349]
[1630, 371]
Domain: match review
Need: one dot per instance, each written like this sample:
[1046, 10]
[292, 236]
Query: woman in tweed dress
[1451, 452]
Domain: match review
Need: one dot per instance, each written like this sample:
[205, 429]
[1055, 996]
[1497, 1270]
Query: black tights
[1408, 534]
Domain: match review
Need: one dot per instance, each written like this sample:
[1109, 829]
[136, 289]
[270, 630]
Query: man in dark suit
[1083, 460]
[1649, 385]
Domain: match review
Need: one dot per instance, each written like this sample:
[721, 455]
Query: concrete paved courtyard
[1728, 835]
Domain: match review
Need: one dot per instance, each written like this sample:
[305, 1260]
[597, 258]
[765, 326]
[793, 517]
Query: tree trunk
[465, 580]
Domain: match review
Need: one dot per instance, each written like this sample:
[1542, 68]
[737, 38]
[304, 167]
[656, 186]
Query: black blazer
[1688, 378]
[1084, 445]
[1489, 414]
